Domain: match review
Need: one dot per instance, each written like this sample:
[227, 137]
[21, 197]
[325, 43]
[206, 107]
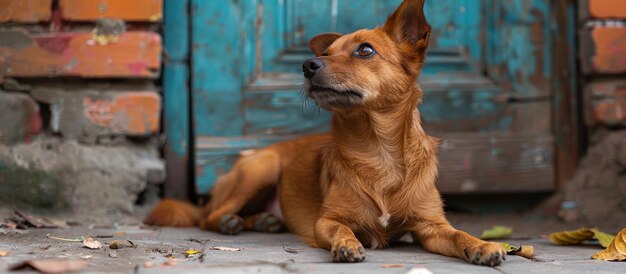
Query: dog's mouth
[330, 97]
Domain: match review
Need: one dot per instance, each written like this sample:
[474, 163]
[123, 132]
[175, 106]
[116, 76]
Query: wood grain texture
[454, 102]
[25, 11]
[470, 162]
[133, 55]
[567, 125]
[90, 10]
[519, 44]
[177, 101]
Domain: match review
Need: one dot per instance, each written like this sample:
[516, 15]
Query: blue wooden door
[486, 80]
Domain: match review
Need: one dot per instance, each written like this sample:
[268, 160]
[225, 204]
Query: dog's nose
[311, 67]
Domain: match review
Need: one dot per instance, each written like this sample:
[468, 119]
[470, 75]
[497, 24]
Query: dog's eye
[365, 50]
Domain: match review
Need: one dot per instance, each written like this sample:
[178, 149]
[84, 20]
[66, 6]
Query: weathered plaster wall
[80, 107]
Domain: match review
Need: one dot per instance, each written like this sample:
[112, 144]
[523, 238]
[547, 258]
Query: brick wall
[83, 72]
[77, 40]
[603, 60]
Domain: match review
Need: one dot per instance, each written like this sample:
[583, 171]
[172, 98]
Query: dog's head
[369, 69]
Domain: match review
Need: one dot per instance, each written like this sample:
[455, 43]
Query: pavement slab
[161, 250]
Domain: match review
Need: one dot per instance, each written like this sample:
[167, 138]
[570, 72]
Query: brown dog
[372, 179]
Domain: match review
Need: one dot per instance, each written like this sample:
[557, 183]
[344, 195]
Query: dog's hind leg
[250, 175]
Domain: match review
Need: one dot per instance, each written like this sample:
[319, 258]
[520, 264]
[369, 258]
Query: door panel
[485, 80]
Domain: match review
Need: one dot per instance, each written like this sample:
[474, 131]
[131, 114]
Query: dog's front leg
[438, 236]
[340, 240]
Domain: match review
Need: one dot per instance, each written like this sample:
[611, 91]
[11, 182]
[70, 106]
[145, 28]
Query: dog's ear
[408, 24]
[320, 43]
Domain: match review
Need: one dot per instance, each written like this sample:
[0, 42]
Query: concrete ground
[272, 253]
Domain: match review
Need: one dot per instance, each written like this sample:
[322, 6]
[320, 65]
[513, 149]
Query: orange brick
[606, 103]
[133, 55]
[607, 8]
[87, 113]
[131, 113]
[25, 11]
[135, 10]
[603, 50]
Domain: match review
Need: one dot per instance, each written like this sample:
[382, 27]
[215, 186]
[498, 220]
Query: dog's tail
[174, 213]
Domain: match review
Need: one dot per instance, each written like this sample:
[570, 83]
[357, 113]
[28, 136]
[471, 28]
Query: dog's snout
[311, 66]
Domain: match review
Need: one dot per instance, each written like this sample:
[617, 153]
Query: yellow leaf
[4, 253]
[526, 251]
[190, 252]
[509, 248]
[616, 251]
[605, 239]
[580, 235]
[497, 232]
[571, 237]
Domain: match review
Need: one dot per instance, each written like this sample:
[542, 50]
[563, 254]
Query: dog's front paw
[348, 250]
[489, 254]
[231, 224]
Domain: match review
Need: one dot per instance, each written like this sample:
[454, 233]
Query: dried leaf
[581, 235]
[526, 251]
[223, 248]
[4, 253]
[616, 251]
[605, 239]
[119, 244]
[91, 243]
[497, 232]
[509, 248]
[53, 266]
[192, 252]
[149, 264]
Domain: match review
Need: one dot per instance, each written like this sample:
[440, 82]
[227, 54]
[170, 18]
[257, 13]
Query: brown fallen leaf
[223, 248]
[4, 253]
[579, 236]
[52, 266]
[616, 251]
[526, 251]
[119, 244]
[91, 243]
